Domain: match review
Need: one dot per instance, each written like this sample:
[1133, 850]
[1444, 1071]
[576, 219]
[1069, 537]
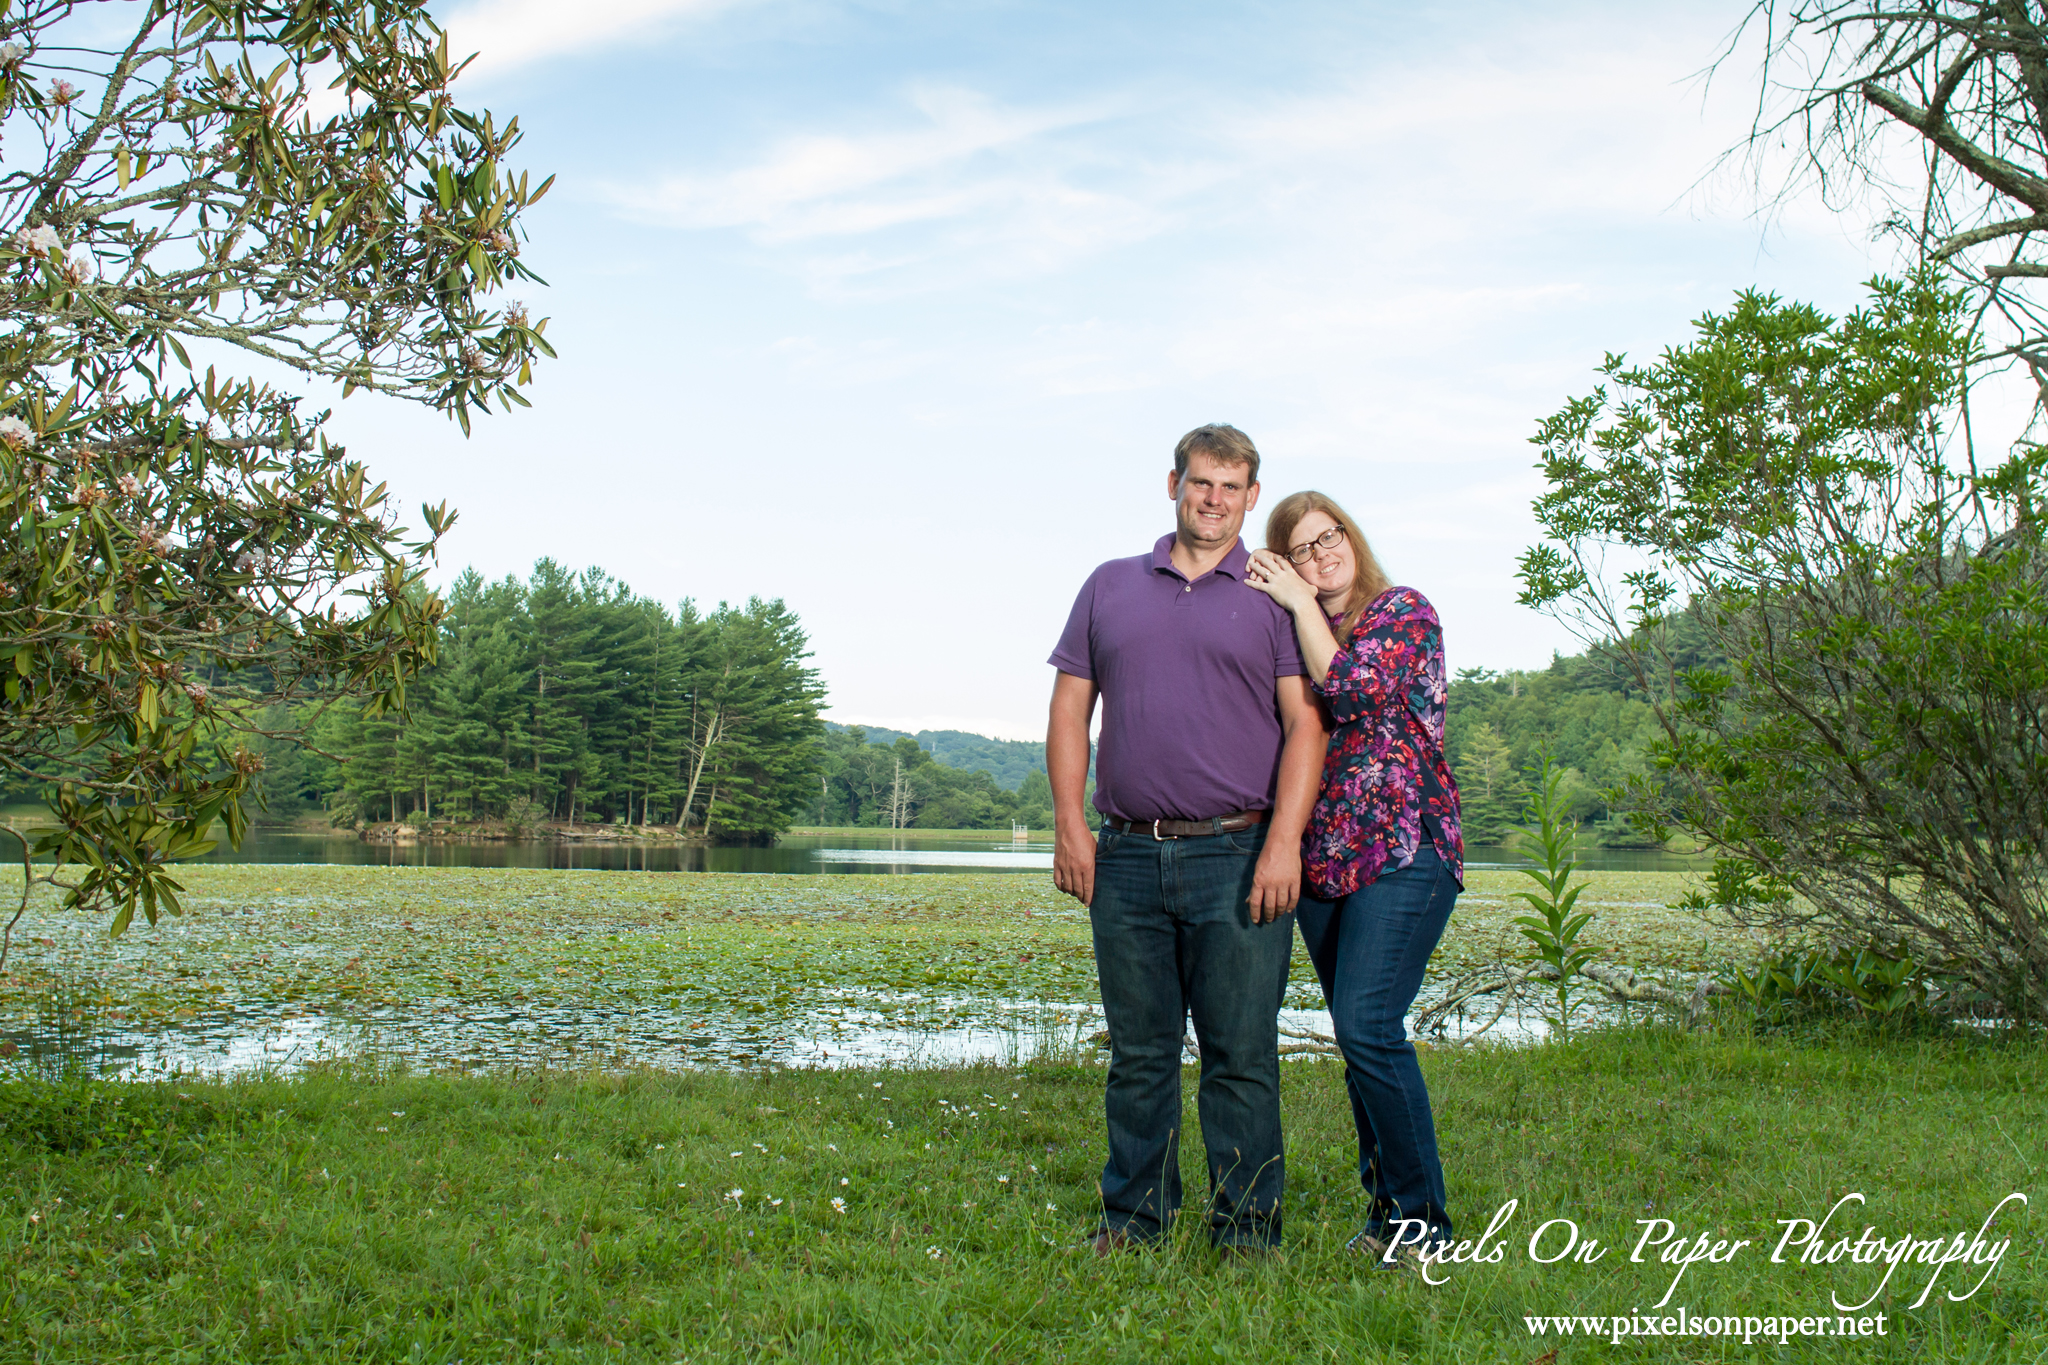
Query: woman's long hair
[1370, 580]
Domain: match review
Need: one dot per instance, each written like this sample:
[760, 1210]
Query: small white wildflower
[735, 1153]
[1015, 1096]
[1034, 1170]
[735, 1195]
[18, 434]
[831, 1146]
[844, 1181]
[839, 1206]
[967, 1203]
[878, 1085]
[1050, 1207]
[775, 1203]
[1002, 1180]
[659, 1147]
[935, 1253]
[382, 1129]
[398, 1113]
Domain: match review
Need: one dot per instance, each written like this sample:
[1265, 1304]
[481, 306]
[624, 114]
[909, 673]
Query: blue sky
[895, 311]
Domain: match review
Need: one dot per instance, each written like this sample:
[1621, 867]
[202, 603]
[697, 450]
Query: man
[1210, 754]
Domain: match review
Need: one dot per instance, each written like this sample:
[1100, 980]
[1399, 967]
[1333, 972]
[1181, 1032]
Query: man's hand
[1276, 881]
[1073, 864]
[1066, 767]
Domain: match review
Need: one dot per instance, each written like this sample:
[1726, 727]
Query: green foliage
[1554, 929]
[1862, 980]
[567, 697]
[1870, 725]
[180, 552]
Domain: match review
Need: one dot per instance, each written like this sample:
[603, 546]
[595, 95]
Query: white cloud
[989, 186]
[506, 34]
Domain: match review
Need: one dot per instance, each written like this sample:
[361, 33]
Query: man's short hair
[1220, 442]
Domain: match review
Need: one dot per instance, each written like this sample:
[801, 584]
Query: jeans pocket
[1247, 841]
[1106, 839]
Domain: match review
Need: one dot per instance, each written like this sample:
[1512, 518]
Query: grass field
[876, 1216]
[363, 1213]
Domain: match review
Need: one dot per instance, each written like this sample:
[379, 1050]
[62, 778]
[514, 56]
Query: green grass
[349, 1217]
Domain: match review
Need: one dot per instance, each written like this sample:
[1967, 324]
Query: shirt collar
[1233, 565]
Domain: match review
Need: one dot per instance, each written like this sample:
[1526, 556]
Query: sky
[895, 311]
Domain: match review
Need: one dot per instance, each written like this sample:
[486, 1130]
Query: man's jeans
[1174, 937]
[1369, 949]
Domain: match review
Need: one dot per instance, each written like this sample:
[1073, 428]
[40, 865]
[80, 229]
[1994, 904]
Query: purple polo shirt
[1190, 720]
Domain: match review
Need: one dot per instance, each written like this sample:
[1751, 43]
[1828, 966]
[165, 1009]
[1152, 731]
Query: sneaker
[1370, 1241]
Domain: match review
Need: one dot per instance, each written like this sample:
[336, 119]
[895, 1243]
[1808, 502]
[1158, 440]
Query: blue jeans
[1174, 937]
[1369, 949]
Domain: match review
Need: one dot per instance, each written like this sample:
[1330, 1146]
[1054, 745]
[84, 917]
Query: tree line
[568, 697]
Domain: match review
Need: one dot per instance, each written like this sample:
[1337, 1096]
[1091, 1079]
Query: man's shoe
[1109, 1241]
[1373, 1241]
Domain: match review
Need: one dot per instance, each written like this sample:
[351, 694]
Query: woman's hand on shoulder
[1275, 577]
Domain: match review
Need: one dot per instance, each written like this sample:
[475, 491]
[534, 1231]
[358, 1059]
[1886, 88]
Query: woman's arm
[1276, 578]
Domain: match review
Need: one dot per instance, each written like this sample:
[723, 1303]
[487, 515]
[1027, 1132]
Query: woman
[1382, 859]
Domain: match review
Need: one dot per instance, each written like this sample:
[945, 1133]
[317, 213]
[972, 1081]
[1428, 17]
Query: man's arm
[1276, 882]
[1066, 766]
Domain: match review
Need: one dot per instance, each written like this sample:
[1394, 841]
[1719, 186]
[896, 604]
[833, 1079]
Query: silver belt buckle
[1155, 833]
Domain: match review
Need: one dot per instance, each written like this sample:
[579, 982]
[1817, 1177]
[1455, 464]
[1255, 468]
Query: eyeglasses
[1328, 540]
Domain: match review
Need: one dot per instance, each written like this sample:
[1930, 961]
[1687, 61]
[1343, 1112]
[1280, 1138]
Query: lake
[836, 851]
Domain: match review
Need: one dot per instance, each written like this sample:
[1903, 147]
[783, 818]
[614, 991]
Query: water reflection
[841, 851]
[452, 1036]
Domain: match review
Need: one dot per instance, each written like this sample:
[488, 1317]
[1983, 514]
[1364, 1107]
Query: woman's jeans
[1369, 949]
[1174, 938]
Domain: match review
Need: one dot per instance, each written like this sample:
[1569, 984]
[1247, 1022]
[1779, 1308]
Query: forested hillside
[1500, 722]
[1008, 761]
[901, 785]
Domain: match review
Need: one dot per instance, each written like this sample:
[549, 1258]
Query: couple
[1271, 753]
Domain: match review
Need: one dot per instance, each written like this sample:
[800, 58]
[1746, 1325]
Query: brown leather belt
[1189, 829]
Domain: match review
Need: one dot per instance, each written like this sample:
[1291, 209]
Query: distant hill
[1005, 760]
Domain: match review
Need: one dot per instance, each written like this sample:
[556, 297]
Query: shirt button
[1189, 588]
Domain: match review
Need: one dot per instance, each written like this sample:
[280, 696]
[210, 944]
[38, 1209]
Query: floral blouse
[1386, 783]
